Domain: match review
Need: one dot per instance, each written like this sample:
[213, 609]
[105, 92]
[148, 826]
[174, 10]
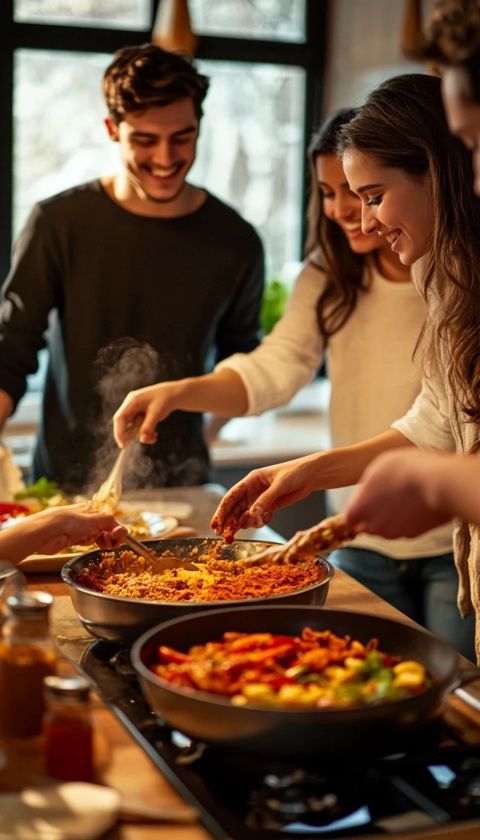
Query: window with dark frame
[265, 59]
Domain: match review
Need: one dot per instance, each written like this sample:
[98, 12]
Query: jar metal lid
[66, 688]
[29, 604]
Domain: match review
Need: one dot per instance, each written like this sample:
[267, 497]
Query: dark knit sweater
[189, 287]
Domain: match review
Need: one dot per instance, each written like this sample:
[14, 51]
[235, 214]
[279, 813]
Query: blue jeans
[423, 588]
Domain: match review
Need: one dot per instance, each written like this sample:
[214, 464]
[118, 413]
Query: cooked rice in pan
[130, 576]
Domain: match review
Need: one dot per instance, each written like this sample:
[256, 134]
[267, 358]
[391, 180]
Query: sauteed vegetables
[43, 493]
[314, 670]
[10, 510]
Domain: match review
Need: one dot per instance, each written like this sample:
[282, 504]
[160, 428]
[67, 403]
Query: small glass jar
[67, 729]
[12, 582]
[27, 656]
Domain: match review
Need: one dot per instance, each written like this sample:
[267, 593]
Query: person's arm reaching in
[252, 502]
[52, 530]
[403, 494]
[246, 383]
[221, 393]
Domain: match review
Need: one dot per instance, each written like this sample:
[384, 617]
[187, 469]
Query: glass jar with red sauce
[67, 729]
[27, 656]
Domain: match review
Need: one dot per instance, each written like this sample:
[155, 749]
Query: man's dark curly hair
[453, 39]
[146, 76]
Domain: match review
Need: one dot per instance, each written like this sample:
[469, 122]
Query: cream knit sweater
[435, 421]
[373, 377]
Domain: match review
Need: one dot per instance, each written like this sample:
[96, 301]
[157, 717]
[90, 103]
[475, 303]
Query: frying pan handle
[465, 676]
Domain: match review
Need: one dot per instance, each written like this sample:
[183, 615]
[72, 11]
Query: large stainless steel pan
[213, 719]
[124, 619]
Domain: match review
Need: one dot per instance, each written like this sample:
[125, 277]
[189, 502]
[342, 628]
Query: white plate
[179, 510]
[162, 526]
[74, 809]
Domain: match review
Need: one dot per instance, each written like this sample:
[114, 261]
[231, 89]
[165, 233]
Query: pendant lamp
[172, 30]
[412, 32]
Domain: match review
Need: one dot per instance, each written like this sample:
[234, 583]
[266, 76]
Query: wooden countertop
[123, 764]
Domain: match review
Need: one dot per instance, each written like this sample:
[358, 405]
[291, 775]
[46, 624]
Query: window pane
[249, 154]
[59, 136]
[118, 14]
[282, 20]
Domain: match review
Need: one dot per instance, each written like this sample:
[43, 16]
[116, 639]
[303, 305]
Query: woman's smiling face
[395, 206]
[340, 205]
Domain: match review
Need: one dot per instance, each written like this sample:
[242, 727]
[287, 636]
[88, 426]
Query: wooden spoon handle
[329, 534]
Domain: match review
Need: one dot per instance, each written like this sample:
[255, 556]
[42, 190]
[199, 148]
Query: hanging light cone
[412, 33]
[172, 30]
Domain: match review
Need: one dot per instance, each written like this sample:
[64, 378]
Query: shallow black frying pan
[211, 718]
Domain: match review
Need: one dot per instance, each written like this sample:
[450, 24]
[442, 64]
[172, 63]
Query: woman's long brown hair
[403, 125]
[326, 245]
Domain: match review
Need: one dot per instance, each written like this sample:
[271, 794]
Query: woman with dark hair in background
[354, 300]
[414, 179]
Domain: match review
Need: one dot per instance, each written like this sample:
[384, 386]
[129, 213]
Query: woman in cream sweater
[414, 179]
[353, 301]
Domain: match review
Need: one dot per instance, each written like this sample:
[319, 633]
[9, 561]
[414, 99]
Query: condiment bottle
[67, 729]
[27, 655]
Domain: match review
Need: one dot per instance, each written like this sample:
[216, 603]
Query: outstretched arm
[54, 529]
[404, 494]
[252, 502]
[221, 393]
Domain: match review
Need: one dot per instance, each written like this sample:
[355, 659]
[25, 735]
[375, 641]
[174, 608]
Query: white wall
[363, 49]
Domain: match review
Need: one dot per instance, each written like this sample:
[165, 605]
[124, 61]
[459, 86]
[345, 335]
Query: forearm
[222, 393]
[53, 529]
[23, 538]
[451, 484]
[344, 466]
[253, 501]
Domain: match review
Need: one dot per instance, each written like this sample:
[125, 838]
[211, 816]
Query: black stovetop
[429, 781]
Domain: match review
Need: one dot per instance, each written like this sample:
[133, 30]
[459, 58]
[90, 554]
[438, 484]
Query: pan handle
[465, 676]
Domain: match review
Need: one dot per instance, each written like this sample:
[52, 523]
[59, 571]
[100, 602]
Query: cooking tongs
[109, 493]
[330, 533]
[108, 496]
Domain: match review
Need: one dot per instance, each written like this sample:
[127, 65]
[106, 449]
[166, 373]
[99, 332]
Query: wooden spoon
[330, 533]
[162, 562]
[109, 493]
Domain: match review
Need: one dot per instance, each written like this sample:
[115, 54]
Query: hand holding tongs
[330, 533]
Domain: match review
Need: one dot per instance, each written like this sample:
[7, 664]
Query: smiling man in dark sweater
[142, 259]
